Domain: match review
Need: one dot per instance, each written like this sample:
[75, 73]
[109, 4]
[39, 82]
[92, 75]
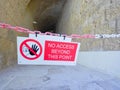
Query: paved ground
[56, 78]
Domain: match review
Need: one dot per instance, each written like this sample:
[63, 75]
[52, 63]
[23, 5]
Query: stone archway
[46, 14]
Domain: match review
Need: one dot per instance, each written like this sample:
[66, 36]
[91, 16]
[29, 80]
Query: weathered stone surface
[23, 13]
[8, 52]
[13, 12]
[92, 17]
[78, 16]
[46, 13]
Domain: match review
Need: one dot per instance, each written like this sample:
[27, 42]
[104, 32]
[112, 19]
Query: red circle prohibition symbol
[24, 43]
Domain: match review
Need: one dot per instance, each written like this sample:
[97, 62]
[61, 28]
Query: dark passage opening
[46, 14]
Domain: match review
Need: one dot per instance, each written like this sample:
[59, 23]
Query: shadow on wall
[46, 14]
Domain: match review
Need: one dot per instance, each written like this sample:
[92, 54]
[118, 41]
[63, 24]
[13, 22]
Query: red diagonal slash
[31, 49]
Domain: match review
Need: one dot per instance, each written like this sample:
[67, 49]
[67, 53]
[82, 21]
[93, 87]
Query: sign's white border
[40, 60]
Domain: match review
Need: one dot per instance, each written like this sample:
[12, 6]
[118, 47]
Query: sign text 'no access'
[60, 51]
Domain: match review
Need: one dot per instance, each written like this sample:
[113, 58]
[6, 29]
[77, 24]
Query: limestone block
[8, 49]
[1, 61]
[12, 12]
[112, 44]
[3, 33]
[96, 17]
[117, 25]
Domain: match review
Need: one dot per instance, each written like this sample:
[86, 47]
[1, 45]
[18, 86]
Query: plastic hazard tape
[24, 30]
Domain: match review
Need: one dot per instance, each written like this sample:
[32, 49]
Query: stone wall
[78, 17]
[92, 17]
[46, 13]
[23, 13]
[13, 12]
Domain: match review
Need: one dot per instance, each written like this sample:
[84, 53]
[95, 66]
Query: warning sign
[60, 51]
[46, 51]
[30, 49]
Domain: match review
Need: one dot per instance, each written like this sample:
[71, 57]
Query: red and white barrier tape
[24, 30]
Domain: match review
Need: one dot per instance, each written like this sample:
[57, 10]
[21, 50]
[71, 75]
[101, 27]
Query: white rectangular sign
[40, 51]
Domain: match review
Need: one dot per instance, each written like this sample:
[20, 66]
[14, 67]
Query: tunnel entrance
[46, 14]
